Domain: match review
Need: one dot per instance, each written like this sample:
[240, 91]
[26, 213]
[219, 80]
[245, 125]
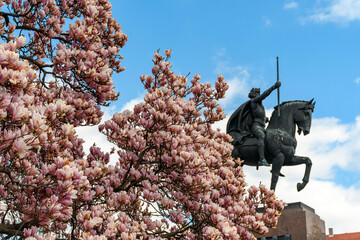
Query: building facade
[297, 222]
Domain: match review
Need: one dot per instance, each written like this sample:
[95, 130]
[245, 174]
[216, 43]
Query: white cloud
[238, 86]
[237, 77]
[267, 21]
[131, 104]
[330, 144]
[291, 5]
[91, 135]
[219, 53]
[357, 81]
[338, 11]
[336, 205]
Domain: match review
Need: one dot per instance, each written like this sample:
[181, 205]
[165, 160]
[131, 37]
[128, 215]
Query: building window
[283, 237]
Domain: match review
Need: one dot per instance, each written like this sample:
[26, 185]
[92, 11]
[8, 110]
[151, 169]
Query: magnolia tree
[174, 177]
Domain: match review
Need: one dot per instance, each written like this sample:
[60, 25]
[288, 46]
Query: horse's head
[303, 116]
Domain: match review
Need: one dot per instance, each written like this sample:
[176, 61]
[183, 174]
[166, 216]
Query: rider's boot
[262, 161]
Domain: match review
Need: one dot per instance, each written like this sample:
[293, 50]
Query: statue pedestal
[297, 222]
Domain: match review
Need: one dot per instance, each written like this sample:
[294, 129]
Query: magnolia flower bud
[155, 69]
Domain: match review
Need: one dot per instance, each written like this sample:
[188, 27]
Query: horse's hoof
[300, 186]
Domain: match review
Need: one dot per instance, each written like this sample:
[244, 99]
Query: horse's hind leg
[276, 167]
[297, 160]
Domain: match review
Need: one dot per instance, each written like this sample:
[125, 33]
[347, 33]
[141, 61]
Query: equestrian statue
[257, 145]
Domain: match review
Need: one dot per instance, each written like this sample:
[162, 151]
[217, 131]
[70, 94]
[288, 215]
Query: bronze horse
[280, 142]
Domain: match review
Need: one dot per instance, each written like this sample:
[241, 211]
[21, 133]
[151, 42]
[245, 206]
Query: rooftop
[344, 236]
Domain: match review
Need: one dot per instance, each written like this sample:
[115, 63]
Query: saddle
[245, 139]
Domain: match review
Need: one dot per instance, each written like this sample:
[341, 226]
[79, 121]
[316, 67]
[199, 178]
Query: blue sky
[318, 44]
[317, 58]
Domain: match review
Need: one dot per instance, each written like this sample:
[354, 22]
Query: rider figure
[257, 111]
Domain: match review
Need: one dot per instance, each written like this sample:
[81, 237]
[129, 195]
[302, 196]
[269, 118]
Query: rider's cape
[240, 121]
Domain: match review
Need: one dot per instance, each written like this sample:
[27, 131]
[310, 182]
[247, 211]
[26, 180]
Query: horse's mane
[289, 103]
[285, 104]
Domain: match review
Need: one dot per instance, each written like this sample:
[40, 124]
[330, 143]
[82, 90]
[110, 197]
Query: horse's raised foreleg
[275, 171]
[296, 160]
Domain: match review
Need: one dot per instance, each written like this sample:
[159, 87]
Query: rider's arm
[267, 92]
